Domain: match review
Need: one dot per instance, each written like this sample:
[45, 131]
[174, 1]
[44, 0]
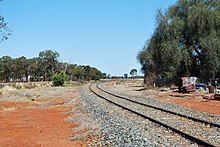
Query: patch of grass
[28, 95]
[1, 86]
[18, 86]
[8, 89]
[68, 84]
[118, 83]
[71, 84]
[29, 86]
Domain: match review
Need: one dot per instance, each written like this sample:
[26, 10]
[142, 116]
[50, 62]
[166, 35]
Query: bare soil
[193, 101]
[37, 117]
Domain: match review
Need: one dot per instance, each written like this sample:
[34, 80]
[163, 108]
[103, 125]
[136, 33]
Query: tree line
[43, 67]
[186, 41]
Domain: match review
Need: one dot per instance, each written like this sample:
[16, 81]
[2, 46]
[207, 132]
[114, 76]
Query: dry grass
[7, 89]
[12, 87]
[9, 109]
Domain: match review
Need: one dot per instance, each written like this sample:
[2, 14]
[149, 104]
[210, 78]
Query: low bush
[59, 79]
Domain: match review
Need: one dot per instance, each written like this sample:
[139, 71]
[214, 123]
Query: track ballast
[177, 120]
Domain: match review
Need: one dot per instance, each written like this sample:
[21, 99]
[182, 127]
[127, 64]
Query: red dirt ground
[211, 106]
[194, 101]
[26, 124]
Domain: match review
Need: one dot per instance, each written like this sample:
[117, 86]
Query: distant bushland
[43, 68]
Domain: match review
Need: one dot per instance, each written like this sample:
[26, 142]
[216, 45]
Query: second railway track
[202, 132]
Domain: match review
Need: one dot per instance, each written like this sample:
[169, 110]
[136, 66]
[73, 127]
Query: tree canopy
[133, 72]
[43, 68]
[4, 30]
[186, 41]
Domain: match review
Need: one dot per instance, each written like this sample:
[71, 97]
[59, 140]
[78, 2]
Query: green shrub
[32, 79]
[58, 79]
[18, 86]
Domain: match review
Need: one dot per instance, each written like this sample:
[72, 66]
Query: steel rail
[161, 109]
[185, 135]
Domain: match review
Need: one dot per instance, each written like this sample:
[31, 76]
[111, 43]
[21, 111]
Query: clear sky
[106, 34]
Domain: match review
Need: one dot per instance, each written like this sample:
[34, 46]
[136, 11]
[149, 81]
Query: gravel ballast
[120, 90]
[119, 127]
[188, 126]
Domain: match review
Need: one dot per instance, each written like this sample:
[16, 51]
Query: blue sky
[106, 34]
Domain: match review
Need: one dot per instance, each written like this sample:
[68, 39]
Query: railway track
[202, 132]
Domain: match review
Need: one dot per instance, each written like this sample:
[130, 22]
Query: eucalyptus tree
[20, 68]
[95, 74]
[4, 30]
[6, 66]
[48, 61]
[35, 70]
[186, 41]
[133, 72]
[71, 70]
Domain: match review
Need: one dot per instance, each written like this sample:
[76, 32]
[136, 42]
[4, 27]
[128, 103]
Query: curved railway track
[176, 118]
[161, 109]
